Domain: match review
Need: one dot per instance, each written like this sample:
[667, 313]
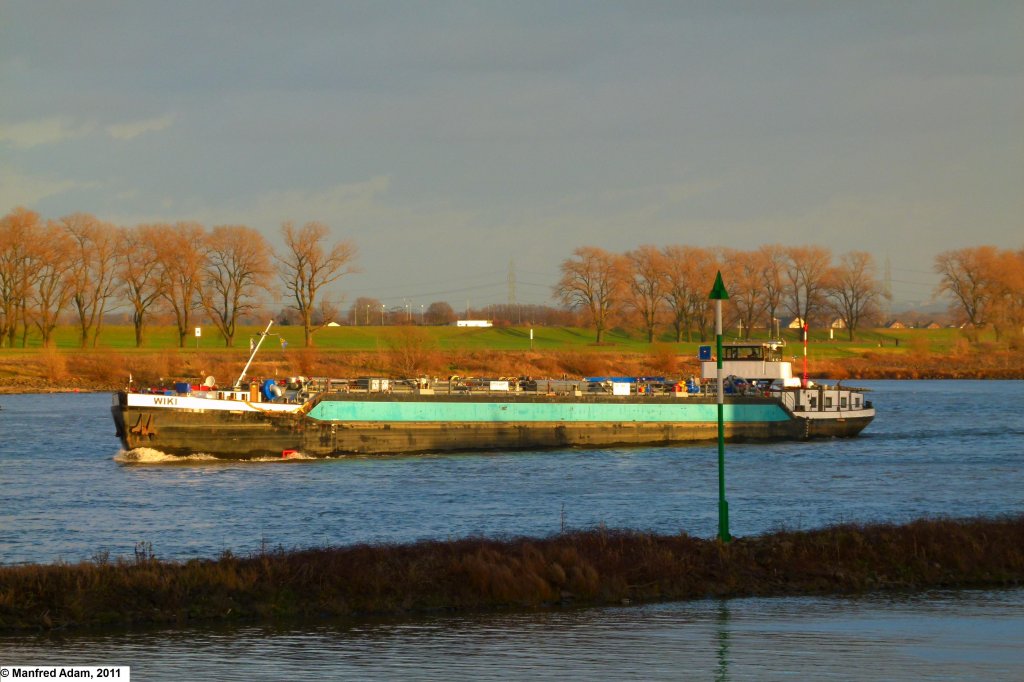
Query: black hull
[841, 427]
[249, 435]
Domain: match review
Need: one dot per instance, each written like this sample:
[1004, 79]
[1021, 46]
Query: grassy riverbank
[595, 567]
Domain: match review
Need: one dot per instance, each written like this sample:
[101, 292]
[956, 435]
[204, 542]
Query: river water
[937, 448]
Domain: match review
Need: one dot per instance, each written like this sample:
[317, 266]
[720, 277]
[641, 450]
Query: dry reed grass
[584, 567]
[664, 359]
[412, 352]
[586, 364]
[981, 364]
[99, 368]
[308, 362]
[53, 364]
[44, 370]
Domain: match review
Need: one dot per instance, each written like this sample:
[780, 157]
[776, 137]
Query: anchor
[144, 429]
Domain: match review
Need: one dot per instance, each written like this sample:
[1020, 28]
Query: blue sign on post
[704, 353]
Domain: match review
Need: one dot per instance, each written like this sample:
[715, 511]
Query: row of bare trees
[669, 286]
[366, 311]
[986, 287]
[79, 262]
[81, 265]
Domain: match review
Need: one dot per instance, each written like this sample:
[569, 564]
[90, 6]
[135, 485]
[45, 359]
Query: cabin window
[742, 353]
[856, 402]
[828, 403]
[814, 402]
[842, 402]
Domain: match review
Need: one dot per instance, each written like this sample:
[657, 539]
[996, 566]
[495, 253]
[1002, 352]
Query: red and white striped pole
[805, 356]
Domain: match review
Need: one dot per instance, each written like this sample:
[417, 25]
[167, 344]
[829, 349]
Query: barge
[370, 416]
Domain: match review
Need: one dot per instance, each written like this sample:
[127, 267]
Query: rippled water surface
[937, 636]
[936, 448]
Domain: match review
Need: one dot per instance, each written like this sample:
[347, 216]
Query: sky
[456, 142]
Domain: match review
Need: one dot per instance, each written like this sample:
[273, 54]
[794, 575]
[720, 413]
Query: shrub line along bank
[34, 372]
[593, 567]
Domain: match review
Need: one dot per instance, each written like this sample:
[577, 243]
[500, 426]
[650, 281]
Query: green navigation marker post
[719, 294]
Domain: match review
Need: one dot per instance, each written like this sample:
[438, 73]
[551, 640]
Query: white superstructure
[753, 361]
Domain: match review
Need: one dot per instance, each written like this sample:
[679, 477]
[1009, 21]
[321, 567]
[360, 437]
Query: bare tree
[363, 310]
[440, 312]
[237, 268]
[701, 309]
[19, 229]
[966, 274]
[94, 270]
[180, 252]
[744, 273]
[306, 266]
[411, 350]
[1008, 303]
[6, 248]
[592, 279]
[689, 273]
[139, 273]
[806, 270]
[773, 265]
[854, 290]
[324, 313]
[646, 285]
[51, 278]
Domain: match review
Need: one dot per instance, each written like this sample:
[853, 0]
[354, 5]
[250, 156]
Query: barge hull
[252, 436]
[842, 427]
[246, 437]
[248, 434]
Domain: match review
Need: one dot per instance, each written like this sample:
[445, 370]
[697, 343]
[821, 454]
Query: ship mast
[263, 335]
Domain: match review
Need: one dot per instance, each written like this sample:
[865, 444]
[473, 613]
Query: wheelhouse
[760, 361]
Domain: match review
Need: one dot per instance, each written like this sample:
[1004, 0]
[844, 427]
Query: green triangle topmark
[718, 292]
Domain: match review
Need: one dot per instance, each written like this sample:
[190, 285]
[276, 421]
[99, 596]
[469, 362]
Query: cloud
[43, 131]
[355, 206]
[346, 205]
[17, 189]
[46, 131]
[133, 129]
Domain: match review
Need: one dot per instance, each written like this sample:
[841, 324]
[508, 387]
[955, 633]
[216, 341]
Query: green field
[375, 338]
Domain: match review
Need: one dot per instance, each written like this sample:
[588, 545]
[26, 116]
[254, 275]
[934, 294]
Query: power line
[916, 272]
[906, 281]
[434, 281]
[511, 282]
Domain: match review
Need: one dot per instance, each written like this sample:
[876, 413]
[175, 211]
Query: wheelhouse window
[828, 402]
[771, 353]
[742, 353]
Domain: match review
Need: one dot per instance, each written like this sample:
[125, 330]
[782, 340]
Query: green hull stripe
[354, 411]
